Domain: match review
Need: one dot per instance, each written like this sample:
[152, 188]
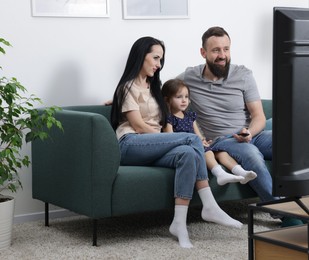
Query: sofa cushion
[141, 188]
[269, 124]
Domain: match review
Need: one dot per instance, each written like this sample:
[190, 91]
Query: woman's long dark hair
[134, 64]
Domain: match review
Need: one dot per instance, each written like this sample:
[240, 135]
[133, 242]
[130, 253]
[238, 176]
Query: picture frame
[156, 9]
[70, 8]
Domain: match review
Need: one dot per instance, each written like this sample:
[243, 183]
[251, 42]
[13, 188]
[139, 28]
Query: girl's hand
[206, 143]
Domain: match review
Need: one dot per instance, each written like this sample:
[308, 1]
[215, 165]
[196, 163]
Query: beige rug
[143, 236]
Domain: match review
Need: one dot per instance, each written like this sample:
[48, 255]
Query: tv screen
[290, 102]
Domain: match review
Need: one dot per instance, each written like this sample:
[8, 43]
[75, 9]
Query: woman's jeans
[251, 157]
[182, 151]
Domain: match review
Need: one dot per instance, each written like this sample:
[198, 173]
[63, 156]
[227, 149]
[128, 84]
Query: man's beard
[218, 70]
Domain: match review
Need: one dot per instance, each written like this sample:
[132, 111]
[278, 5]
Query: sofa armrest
[75, 169]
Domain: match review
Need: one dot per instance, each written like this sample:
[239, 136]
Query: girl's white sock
[224, 177]
[248, 175]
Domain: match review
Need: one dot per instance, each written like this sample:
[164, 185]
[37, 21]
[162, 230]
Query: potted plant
[20, 123]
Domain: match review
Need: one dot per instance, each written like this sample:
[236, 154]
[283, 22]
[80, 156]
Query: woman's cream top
[139, 99]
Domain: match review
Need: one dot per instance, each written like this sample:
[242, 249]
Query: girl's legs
[225, 159]
[248, 175]
[250, 157]
[222, 176]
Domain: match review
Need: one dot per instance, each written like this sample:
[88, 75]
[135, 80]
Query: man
[229, 108]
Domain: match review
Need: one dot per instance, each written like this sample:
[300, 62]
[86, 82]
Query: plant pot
[6, 220]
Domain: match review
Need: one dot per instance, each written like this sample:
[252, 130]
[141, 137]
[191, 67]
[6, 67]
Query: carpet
[141, 236]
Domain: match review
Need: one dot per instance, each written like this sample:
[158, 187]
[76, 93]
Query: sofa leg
[46, 214]
[95, 232]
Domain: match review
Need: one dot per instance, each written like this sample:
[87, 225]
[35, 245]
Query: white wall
[67, 61]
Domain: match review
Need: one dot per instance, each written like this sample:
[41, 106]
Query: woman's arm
[136, 121]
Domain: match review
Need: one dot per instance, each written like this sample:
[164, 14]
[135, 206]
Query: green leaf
[5, 42]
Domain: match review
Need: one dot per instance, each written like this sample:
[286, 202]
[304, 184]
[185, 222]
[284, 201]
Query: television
[290, 102]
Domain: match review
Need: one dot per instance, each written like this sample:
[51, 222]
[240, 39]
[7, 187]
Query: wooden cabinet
[290, 243]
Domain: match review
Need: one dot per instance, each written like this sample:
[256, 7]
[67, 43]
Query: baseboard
[59, 213]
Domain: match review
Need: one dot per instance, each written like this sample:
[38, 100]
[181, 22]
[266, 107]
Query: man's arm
[258, 122]
[258, 119]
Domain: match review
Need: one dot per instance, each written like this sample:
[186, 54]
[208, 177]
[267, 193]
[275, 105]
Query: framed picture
[155, 9]
[70, 8]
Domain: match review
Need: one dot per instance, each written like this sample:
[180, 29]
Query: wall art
[70, 8]
[155, 9]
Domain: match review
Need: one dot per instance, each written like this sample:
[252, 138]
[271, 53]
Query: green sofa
[79, 170]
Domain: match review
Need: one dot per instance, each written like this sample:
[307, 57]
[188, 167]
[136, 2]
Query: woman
[138, 115]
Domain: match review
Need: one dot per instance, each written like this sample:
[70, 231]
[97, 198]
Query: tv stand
[281, 243]
[297, 200]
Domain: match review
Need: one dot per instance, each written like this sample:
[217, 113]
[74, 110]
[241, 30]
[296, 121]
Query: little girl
[176, 94]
